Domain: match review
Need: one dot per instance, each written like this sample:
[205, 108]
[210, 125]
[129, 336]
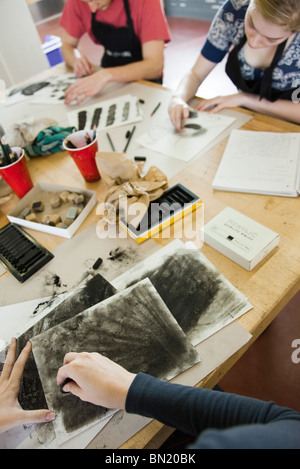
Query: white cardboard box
[34, 195]
[239, 237]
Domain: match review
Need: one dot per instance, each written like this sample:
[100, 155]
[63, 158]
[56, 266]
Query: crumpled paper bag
[130, 192]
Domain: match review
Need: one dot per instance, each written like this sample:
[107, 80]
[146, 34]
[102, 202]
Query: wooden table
[269, 287]
[273, 282]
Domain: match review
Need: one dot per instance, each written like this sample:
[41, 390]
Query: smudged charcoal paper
[133, 328]
[31, 394]
[200, 298]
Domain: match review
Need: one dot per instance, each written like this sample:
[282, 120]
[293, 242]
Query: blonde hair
[284, 13]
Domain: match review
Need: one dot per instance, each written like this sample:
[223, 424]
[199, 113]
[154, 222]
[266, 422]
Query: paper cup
[84, 155]
[17, 175]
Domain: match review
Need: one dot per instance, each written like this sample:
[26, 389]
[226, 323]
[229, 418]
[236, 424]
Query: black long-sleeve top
[216, 419]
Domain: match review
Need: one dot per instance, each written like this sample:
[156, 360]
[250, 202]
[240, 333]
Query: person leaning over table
[133, 33]
[262, 40]
[215, 419]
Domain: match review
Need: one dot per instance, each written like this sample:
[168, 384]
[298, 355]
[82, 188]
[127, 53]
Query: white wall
[21, 55]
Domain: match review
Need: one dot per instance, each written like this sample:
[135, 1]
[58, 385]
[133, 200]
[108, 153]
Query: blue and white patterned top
[228, 29]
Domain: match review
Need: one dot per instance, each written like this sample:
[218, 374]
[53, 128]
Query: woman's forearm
[281, 109]
[190, 83]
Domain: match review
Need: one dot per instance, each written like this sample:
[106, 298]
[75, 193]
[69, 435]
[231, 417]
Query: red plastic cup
[17, 175]
[84, 155]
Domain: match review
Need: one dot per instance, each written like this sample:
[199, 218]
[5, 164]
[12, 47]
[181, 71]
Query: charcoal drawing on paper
[200, 298]
[31, 393]
[133, 328]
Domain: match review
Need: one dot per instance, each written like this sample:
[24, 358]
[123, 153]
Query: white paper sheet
[260, 162]
[53, 93]
[199, 132]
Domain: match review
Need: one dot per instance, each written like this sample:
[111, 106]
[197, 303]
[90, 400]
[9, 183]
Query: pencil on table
[110, 141]
[155, 109]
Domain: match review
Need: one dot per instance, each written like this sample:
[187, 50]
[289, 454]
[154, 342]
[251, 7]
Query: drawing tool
[110, 141]
[97, 263]
[66, 381]
[193, 113]
[30, 260]
[94, 132]
[174, 203]
[155, 109]
[129, 139]
[72, 213]
[139, 158]
[20, 253]
[88, 139]
[69, 144]
[8, 156]
[5, 154]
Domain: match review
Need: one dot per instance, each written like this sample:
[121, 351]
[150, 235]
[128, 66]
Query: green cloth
[48, 141]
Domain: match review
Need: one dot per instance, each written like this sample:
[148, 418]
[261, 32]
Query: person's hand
[218, 103]
[87, 86]
[95, 379]
[11, 413]
[178, 111]
[82, 67]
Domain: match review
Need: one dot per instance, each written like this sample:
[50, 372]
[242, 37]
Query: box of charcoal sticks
[54, 209]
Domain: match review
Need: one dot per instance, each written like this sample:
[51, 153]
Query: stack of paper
[261, 163]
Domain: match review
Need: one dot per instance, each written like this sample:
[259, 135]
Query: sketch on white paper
[199, 132]
[48, 91]
[54, 93]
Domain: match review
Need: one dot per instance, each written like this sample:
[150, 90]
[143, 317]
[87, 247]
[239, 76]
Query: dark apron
[122, 46]
[262, 87]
